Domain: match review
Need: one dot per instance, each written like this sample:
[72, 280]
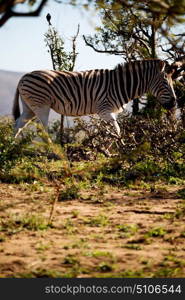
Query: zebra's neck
[132, 80]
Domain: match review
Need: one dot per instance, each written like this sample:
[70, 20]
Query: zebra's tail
[16, 108]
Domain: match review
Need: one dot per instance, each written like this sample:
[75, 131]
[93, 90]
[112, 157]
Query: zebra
[100, 91]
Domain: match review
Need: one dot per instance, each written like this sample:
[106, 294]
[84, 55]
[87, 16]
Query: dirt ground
[114, 233]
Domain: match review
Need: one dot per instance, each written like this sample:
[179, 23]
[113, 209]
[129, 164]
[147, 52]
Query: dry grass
[116, 233]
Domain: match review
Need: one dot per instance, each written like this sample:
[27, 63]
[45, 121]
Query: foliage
[124, 31]
[139, 30]
[153, 150]
[61, 59]
[156, 232]
[141, 135]
[11, 150]
[174, 9]
[133, 29]
[71, 192]
[181, 193]
[14, 223]
[153, 154]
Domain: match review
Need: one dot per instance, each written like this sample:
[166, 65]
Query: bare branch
[7, 4]
[142, 42]
[102, 51]
[177, 48]
[10, 13]
[74, 53]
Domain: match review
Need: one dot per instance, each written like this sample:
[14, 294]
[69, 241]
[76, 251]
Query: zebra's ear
[162, 65]
[175, 69]
[169, 69]
[173, 72]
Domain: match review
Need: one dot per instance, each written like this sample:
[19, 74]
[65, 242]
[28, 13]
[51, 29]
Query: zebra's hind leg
[24, 119]
[30, 112]
[42, 115]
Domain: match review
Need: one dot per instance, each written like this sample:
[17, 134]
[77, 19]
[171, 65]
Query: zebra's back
[68, 93]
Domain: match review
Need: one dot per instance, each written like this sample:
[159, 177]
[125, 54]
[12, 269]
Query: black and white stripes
[102, 92]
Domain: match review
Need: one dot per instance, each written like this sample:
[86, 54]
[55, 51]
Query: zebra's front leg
[110, 118]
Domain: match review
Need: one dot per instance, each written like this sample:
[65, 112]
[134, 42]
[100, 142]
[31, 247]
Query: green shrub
[71, 192]
[11, 149]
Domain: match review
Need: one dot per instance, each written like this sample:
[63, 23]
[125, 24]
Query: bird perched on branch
[48, 18]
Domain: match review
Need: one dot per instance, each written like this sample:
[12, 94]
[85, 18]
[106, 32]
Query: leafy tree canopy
[173, 8]
[133, 28]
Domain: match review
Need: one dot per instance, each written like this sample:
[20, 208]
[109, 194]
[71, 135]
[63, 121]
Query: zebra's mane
[159, 63]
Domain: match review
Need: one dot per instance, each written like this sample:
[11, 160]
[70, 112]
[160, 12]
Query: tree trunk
[153, 36]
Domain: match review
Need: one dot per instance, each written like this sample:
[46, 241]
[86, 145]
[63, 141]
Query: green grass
[133, 247]
[70, 226]
[34, 171]
[69, 193]
[71, 260]
[78, 244]
[127, 228]
[180, 212]
[181, 193]
[41, 247]
[16, 223]
[97, 221]
[167, 272]
[156, 232]
[105, 267]
[182, 234]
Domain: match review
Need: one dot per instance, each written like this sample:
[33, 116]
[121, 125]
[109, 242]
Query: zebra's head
[162, 88]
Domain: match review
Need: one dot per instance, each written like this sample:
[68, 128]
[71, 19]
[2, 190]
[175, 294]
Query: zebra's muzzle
[170, 105]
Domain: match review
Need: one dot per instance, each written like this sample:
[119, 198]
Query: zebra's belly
[72, 110]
